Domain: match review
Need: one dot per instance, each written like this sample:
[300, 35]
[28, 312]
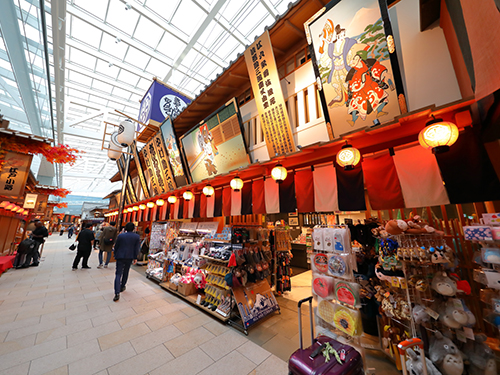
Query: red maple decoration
[59, 192]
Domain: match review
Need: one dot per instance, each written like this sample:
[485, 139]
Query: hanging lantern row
[8, 206]
[438, 136]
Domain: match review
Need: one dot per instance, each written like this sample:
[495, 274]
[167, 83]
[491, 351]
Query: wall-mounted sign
[14, 174]
[216, 145]
[30, 201]
[159, 102]
[266, 88]
[140, 170]
[353, 52]
[156, 161]
[173, 152]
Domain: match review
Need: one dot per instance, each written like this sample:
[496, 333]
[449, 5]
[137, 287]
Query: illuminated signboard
[216, 145]
[14, 173]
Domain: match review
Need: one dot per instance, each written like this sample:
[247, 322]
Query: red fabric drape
[258, 198]
[304, 190]
[226, 201]
[185, 209]
[382, 182]
[203, 205]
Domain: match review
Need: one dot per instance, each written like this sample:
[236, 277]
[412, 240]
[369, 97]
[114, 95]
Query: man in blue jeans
[126, 250]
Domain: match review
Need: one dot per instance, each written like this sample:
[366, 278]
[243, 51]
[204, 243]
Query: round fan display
[321, 262]
[336, 266]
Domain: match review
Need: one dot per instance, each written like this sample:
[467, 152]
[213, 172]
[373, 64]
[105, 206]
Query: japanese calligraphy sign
[159, 102]
[140, 170]
[355, 62]
[216, 145]
[173, 152]
[14, 174]
[266, 87]
[156, 162]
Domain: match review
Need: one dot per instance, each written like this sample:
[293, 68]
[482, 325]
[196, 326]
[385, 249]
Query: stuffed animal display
[453, 314]
[445, 355]
[414, 364]
[444, 285]
[420, 315]
[481, 357]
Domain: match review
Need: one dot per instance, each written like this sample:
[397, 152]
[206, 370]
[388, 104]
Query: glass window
[301, 57]
[290, 65]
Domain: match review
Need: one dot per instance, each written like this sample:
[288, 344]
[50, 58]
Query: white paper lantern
[126, 133]
[114, 151]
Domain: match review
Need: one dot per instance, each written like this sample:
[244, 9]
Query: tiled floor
[56, 321]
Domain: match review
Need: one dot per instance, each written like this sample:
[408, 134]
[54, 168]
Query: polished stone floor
[57, 321]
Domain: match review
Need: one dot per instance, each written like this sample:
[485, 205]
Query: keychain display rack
[334, 287]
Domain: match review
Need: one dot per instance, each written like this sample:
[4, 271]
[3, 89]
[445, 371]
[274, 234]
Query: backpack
[26, 246]
[109, 241]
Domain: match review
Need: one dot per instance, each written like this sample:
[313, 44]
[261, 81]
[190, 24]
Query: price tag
[469, 333]
[433, 314]
[198, 300]
[395, 282]
[461, 335]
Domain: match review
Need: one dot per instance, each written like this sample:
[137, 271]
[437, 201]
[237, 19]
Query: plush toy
[414, 364]
[396, 227]
[445, 355]
[481, 357]
[444, 285]
[420, 315]
[453, 316]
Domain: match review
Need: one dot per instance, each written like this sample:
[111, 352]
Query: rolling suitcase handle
[407, 344]
[308, 299]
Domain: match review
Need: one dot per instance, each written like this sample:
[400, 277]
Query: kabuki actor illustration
[216, 145]
[354, 60]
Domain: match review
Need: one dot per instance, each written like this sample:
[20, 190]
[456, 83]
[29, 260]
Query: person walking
[97, 237]
[106, 242]
[126, 251]
[38, 235]
[71, 229]
[85, 241]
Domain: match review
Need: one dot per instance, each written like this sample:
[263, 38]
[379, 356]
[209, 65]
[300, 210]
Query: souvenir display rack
[162, 235]
[334, 286]
[197, 251]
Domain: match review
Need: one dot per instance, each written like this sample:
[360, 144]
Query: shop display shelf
[152, 277]
[192, 299]
[213, 259]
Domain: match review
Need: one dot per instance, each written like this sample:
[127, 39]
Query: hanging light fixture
[208, 190]
[348, 157]
[160, 202]
[4, 204]
[15, 208]
[172, 199]
[135, 208]
[236, 183]
[9, 207]
[129, 209]
[279, 173]
[438, 135]
[142, 206]
[150, 204]
[126, 133]
[187, 195]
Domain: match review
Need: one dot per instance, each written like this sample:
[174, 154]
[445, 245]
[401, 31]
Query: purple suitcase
[310, 361]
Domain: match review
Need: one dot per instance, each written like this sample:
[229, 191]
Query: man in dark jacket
[85, 241]
[38, 235]
[126, 251]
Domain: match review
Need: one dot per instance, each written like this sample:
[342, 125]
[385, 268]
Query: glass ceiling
[112, 51]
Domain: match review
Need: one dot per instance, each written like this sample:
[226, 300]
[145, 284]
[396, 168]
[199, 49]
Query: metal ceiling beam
[87, 90]
[195, 37]
[10, 90]
[58, 13]
[172, 30]
[14, 45]
[75, 68]
[269, 8]
[82, 133]
[90, 116]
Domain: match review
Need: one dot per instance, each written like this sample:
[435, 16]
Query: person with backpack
[106, 242]
[38, 235]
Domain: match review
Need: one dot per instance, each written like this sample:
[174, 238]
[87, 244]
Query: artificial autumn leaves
[54, 154]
